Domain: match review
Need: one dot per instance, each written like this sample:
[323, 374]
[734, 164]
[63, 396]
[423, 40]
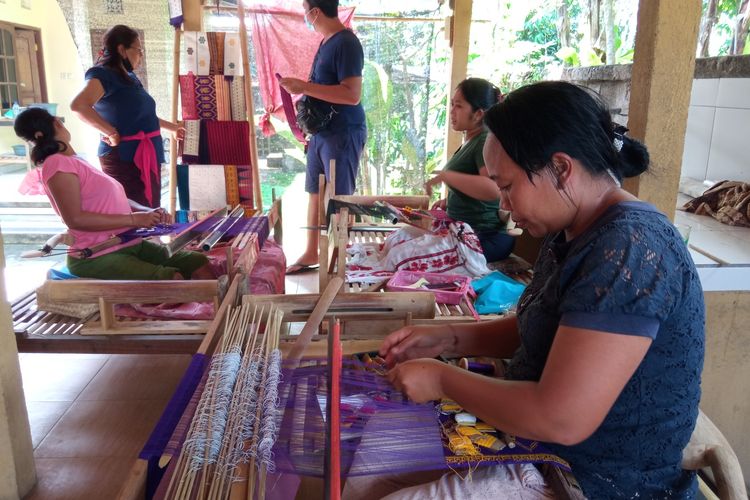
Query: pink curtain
[283, 45]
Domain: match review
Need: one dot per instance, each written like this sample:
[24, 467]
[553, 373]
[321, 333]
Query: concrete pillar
[458, 32]
[17, 473]
[663, 67]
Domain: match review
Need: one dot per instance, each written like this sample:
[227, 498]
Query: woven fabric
[216, 50]
[206, 187]
[245, 184]
[190, 51]
[237, 98]
[228, 142]
[291, 115]
[175, 13]
[223, 99]
[80, 311]
[203, 65]
[191, 143]
[205, 95]
[230, 181]
[187, 97]
[232, 55]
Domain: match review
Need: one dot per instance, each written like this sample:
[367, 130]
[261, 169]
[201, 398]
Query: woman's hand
[164, 216]
[412, 342]
[441, 204]
[179, 131]
[145, 219]
[293, 85]
[112, 139]
[420, 379]
[432, 182]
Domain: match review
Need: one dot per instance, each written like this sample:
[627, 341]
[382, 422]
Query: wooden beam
[128, 292]
[459, 31]
[663, 68]
[353, 306]
[173, 139]
[192, 13]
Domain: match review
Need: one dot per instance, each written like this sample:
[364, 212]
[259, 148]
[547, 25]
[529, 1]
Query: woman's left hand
[179, 131]
[419, 379]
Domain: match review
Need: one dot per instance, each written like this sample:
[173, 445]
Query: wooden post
[16, 452]
[662, 79]
[459, 29]
[173, 140]
[257, 195]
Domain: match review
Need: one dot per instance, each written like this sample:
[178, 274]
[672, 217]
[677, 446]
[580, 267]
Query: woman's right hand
[440, 204]
[112, 139]
[412, 342]
[146, 219]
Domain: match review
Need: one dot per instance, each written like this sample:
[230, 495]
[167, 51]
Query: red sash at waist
[145, 158]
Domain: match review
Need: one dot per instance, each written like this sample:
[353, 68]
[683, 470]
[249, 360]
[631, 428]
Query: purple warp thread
[381, 431]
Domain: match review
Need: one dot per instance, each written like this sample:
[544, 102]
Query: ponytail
[37, 126]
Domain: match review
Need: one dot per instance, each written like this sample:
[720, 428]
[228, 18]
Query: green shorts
[142, 261]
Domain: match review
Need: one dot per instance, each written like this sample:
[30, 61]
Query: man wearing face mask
[115, 103]
[336, 79]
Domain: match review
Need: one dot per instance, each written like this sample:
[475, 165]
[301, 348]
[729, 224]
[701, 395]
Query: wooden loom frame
[39, 331]
[339, 233]
[330, 305]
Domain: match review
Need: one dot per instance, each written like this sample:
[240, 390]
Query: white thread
[269, 425]
[204, 442]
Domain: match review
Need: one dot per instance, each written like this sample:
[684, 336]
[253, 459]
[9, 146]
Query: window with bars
[8, 75]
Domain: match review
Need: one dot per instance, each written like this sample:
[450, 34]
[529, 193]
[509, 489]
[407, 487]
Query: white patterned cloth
[192, 137]
[190, 52]
[232, 55]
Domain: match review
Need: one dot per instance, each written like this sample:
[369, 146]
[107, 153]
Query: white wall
[62, 66]
[717, 141]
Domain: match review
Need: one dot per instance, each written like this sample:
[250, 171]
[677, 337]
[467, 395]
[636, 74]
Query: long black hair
[536, 121]
[36, 125]
[480, 93]
[110, 56]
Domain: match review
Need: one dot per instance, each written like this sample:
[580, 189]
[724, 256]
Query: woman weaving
[472, 196]
[94, 207]
[606, 349]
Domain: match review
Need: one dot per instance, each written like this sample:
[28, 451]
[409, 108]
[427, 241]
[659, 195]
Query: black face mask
[126, 63]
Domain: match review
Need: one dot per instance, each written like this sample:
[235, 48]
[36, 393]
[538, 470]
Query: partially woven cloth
[727, 202]
[81, 311]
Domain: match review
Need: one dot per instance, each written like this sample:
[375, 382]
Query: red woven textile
[228, 142]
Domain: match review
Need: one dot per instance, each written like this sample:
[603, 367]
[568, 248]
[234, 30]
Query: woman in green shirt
[472, 196]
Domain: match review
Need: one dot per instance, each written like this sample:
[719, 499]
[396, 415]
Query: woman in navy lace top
[607, 346]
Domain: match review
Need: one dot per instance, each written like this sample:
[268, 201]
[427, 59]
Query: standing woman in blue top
[115, 103]
[336, 79]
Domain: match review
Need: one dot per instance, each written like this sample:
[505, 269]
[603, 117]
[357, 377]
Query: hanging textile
[187, 97]
[191, 143]
[216, 49]
[232, 55]
[228, 142]
[205, 95]
[206, 187]
[291, 116]
[283, 45]
[237, 91]
[245, 185]
[203, 53]
[223, 98]
[231, 183]
[190, 51]
[175, 12]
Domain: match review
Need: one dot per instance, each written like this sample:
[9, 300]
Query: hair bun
[634, 158]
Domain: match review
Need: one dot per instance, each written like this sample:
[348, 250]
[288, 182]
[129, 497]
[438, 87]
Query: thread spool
[476, 367]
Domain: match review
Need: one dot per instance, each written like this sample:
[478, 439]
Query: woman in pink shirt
[95, 208]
